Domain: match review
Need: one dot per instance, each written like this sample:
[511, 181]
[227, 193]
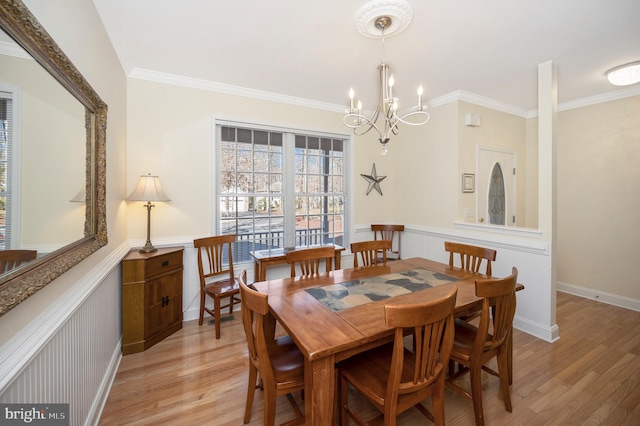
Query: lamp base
[148, 248]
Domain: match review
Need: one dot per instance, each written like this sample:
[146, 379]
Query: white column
[547, 176]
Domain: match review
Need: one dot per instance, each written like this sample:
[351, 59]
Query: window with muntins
[6, 148]
[279, 188]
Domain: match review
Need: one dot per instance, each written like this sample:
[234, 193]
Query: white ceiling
[312, 50]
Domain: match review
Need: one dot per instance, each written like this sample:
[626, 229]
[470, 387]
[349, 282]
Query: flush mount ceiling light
[624, 75]
[377, 19]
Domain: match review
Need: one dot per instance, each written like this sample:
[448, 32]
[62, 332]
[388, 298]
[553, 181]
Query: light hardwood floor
[590, 376]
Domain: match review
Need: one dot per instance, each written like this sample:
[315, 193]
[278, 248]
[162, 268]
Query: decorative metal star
[374, 180]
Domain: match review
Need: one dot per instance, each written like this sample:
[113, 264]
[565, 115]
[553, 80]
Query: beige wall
[427, 190]
[599, 196]
[170, 134]
[497, 130]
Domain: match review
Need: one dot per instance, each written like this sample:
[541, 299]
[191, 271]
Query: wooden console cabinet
[151, 297]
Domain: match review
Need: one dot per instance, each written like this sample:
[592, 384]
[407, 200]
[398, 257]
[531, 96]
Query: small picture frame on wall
[468, 182]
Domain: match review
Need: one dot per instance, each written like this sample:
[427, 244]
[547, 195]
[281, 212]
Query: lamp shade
[148, 189]
[81, 196]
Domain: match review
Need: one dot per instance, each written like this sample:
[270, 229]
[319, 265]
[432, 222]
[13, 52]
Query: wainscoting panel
[70, 357]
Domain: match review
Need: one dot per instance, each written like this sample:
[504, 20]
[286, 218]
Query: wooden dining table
[326, 334]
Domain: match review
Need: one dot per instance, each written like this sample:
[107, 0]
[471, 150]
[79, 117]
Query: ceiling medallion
[400, 13]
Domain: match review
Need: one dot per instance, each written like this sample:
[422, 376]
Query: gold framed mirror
[19, 284]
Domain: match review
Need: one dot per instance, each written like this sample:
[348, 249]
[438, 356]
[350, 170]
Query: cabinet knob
[165, 263]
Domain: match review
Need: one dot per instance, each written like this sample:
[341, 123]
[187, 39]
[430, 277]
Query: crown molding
[459, 95]
[194, 83]
[598, 99]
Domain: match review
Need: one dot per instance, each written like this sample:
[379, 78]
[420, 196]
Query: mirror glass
[57, 147]
[43, 163]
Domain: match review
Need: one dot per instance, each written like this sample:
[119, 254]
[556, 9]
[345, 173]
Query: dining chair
[309, 260]
[471, 257]
[10, 259]
[395, 379]
[212, 264]
[389, 232]
[474, 346]
[278, 361]
[368, 251]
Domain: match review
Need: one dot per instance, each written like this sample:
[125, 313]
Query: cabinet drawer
[162, 264]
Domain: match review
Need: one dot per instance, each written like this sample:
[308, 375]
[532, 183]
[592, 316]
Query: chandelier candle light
[379, 14]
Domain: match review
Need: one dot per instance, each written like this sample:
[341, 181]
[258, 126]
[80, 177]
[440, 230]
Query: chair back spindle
[391, 233]
[310, 259]
[368, 253]
[471, 257]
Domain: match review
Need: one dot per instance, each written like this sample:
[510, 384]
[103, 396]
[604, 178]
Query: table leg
[263, 271]
[319, 391]
[256, 271]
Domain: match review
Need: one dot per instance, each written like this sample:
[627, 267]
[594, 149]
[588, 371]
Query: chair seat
[287, 363]
[465, 336]
[463, 343]
[226, 287]
[358, 370]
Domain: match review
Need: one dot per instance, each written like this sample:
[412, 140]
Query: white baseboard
[600, 296]
[93, 417]
[545, 333]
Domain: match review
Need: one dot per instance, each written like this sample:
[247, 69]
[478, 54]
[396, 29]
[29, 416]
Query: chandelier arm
[360, 118]
[425, 118]
[392, 128]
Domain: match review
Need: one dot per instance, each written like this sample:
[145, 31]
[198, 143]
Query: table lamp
[148, 189]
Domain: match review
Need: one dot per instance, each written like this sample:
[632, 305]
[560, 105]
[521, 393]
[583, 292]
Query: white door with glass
[496, 198]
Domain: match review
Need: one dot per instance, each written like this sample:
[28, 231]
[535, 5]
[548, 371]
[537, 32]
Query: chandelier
[387, 105]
